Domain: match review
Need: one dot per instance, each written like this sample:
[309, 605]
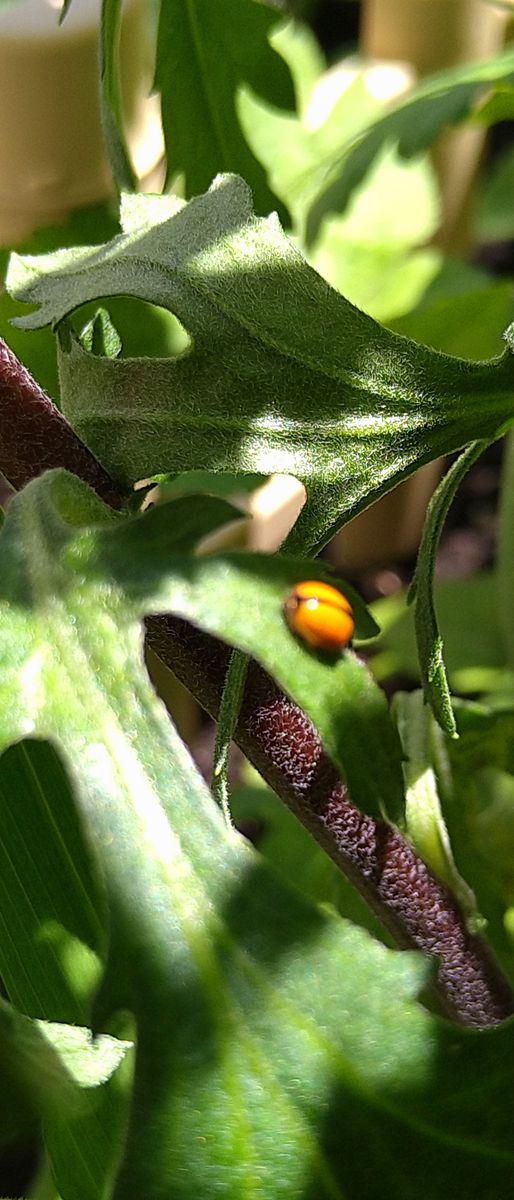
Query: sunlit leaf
[309, 385]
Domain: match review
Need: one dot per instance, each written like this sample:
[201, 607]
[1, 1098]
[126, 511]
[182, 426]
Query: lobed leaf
[283, 375]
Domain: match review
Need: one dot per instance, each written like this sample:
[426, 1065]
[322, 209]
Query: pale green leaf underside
[256, 1013]
[284, 375]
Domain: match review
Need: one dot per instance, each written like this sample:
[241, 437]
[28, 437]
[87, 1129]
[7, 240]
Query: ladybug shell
[320, 615]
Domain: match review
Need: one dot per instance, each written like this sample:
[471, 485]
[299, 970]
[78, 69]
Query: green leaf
[294, 855]
[111, 106]
[505, 552]
[38, 354]
[56, 916]
[468, 324]
[99, 336]
[486, 734]
[413, 125]
[277, 355]
[205, 54]
[474, 654]
[207, 483]
[53, 920]
[88, 1062]
[430, 643]
[479, 810]
[297, 148]
[256, 1013]
[145, 558]
[494, 220]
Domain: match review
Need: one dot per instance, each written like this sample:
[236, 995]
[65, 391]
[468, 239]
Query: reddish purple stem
[280, 741]
[35, 436]
[278, 738]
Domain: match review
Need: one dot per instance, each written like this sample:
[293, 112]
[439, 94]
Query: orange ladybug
[320, 615]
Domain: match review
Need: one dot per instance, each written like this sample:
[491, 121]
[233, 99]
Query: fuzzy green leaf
[337, 692]
[284, 375]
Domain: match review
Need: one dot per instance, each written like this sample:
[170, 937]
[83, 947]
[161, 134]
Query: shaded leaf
[296, 857]
[336, 691]
[505, 552]
[468, 323]
[206, 52]
[111, 99]
[486, 733]
[53, 920]
[494, 220]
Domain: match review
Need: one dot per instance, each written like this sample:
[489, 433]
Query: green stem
[227, 720]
